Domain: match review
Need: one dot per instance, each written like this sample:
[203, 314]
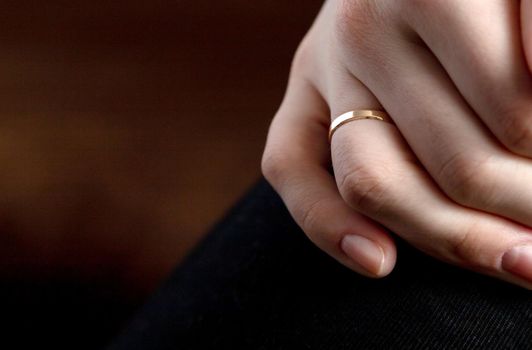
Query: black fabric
[257, 282]
[60, 314]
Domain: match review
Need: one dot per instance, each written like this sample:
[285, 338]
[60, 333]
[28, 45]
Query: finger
[378, 175]
[479, 44]
[454, 146]
[526, 27]
[295, 162]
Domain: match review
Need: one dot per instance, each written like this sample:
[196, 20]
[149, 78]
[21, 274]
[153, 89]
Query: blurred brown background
[128, 127]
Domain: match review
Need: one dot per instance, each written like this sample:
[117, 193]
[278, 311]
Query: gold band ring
[357, 115]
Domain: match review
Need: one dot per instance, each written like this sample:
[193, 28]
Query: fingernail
[518, 261]
[366, 253]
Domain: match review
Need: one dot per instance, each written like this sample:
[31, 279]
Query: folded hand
[453, 176]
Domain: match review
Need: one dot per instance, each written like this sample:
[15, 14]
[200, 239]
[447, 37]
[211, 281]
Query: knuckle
[517, 129]
[424, 13]
[466, 246]
[363, 32]
[273, 165]
[427, 7]
[349, 12]
[367, 188]
[304, 57]
[356, 23]
[308, 215]
[470, 249]
[469, 179]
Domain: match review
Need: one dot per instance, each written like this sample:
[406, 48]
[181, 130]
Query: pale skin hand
[454, 176]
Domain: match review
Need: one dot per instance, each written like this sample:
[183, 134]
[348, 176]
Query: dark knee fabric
[257, 282]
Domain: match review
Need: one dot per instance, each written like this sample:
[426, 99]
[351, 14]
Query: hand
[453, 176]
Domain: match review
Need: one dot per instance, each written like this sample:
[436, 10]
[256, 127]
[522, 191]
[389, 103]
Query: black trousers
[256, 282]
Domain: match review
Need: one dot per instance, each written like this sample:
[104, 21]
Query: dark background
[126, 129]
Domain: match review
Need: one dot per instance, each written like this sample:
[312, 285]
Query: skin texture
[526, 27]
[452, 176]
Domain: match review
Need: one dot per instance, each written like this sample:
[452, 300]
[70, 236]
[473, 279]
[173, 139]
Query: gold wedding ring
[357, 115]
